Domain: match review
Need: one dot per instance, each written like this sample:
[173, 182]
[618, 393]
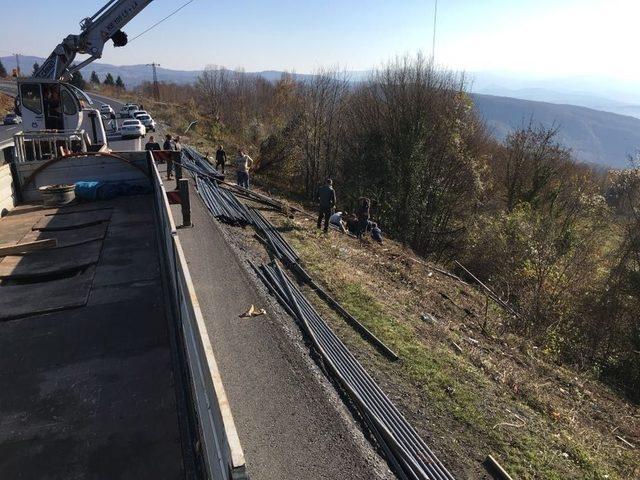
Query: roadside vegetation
[558, 240]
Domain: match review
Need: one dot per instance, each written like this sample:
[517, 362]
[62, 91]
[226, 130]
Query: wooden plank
[50, 262]
[27, 247]
[72, 220]
[68, 238]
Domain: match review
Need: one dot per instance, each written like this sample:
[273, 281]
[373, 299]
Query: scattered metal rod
[282, 249]
[222, 204]
[406, 452]
[494, 296]
[493, 463]
[351, 320]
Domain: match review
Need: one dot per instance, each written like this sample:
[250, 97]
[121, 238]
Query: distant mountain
[134, 75]
[594, 136]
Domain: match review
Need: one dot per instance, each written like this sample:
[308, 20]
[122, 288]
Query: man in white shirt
[243, 164]
[336, 219]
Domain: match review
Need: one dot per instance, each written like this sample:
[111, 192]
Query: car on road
[127, 110]
[148, 122]
[106, 109]
[137, 113]
[12, 119]
[132, 129]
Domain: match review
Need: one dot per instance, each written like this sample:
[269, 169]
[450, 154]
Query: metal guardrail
[45, 144]
[220, 446]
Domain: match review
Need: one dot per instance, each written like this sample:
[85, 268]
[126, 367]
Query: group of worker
[358, 224]
[243, 164]
[170, 143]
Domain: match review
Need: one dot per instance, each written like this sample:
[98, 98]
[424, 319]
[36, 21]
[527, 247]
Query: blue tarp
[96, 190]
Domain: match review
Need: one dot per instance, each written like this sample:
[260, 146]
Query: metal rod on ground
[183, 187]
[491, 293]
[359, 327]
[498, 468]
[413, 455]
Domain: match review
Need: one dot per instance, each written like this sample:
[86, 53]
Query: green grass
[453, 388]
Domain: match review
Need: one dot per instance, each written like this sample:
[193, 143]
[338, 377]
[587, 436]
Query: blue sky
[528, 37]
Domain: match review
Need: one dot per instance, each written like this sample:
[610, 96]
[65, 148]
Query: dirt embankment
[469, 388]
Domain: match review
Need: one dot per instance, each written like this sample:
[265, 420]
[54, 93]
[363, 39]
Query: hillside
[594, 136]
[465, 385]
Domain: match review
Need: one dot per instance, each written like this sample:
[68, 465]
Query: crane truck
[54, 111]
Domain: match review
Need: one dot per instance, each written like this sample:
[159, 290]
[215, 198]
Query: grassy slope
[494, 394]
[497, 396]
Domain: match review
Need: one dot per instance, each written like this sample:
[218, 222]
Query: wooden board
[72, 220]
[68, 238]
[27, 247]
[31, 299]
[50, 262]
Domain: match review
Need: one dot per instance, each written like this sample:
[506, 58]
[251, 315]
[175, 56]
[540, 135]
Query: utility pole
[17, 64]
[156, 87]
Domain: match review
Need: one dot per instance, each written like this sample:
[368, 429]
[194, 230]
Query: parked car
[12, 119]
[127, 110]
[138, 113]
[106, 109]
[132, 129]
[148, 122]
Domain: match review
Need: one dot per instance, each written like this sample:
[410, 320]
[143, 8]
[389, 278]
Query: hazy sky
[531, 37]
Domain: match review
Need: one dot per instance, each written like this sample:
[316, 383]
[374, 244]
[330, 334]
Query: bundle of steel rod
[281, 249]
[351, 320]
[404, 449]
[222, 204]
[193, 159]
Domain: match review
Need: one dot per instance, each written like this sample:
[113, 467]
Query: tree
[108, 80]
[36, 67]
[77, 80]
[3, 71]
[120, 83]
[94, 78]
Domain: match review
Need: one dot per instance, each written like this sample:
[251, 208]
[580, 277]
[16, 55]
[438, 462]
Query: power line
[433, 42]
[159, 22]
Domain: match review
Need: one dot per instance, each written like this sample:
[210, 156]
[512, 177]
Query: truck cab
[58, 107]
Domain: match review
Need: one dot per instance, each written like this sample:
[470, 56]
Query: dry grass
[470, 391]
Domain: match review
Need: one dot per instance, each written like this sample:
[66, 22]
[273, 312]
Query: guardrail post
[178, 171]
[183, 187]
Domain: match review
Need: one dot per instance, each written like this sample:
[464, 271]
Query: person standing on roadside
[326, 202]
[221, 158]
[168, 145]
[152, 145]
[177, 146]
[243, 165]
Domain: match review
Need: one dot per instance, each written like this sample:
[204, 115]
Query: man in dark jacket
[326, 200]
[152, 144]
[221, 158]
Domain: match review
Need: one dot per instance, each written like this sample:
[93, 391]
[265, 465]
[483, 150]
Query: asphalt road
[290, 421]
[8, 131]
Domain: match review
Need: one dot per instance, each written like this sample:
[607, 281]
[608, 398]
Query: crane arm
[105, 24]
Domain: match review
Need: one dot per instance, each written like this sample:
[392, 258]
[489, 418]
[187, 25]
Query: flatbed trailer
[105, 363]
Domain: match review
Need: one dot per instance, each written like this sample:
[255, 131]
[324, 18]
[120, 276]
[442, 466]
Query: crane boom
[105, 24]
